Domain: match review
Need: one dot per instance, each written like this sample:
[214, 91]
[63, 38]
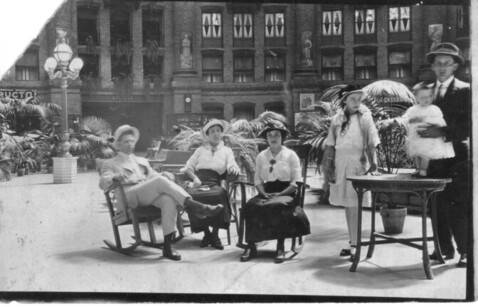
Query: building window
[399, 23]
[244, 110]
[243, 26]
[275, 24]
[211, 25]
[399, 64]
[276, 106]
[90, 65]
[462, 18]
[89, 73]
[121, 45]
[399, 19]
[212, 69]
[465, 69]
[243, 29]
[27, 67]
[274, 67]
[87, 26]
[365, 26]
[274, 29]
[216, 110]
[153, 28]
[243, 68]
[332, 67]
[365, 66]
[332, 27]
[153, 70]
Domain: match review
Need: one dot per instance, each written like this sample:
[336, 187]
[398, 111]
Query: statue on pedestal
[186, 56]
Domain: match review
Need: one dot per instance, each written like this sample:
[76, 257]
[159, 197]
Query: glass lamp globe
[76, 64]
[50, 64]
[63, 53]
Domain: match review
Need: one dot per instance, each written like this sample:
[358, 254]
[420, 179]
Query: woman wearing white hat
[353, 137]
[205, 167]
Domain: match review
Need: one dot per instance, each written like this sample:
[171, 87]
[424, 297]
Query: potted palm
[389, 99]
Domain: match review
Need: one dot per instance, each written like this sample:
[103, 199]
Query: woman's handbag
[328, 164]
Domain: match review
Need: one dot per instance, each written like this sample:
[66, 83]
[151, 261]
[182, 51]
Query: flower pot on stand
[21, 171]
[393, 219]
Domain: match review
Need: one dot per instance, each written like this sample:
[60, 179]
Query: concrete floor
[52, 240]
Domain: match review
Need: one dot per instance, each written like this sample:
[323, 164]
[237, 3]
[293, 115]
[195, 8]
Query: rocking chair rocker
[133, 216]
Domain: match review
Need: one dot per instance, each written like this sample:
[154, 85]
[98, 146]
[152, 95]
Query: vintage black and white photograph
[231, 151]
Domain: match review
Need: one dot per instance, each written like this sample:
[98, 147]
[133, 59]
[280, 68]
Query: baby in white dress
[424, 113]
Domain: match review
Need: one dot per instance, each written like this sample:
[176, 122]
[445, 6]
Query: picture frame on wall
[306, 102]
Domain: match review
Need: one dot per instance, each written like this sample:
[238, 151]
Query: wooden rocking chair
[133, 216]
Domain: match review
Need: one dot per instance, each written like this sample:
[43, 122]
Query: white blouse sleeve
[257, 176]
[192, 161]
[295, 168]
[373, 138]
[230, 160]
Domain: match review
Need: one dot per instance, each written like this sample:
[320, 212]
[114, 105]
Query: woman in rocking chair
[274, 213]
[205, 167]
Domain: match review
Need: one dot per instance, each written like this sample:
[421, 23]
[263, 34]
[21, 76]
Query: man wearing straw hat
[145, 187]
[452, 96]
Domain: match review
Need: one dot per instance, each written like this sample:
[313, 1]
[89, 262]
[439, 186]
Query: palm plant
[389, 99]
[12, 109]
[91, 138]
[315, 132]
[9, 151]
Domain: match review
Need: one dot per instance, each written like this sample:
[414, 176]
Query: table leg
[360, 192]
[425, 256]
[433, 215]
[371, 247]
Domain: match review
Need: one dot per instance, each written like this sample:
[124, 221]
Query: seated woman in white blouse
[273, 213]
[205, 167]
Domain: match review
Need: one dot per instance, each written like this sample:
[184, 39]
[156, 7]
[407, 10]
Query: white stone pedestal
[64, 170]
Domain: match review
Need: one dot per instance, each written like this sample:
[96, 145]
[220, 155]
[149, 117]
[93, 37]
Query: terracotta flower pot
[393, 219]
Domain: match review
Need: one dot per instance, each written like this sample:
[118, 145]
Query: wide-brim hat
[122, 129]
[274, 125]
[446, 49]
[349, 90]
[214, 122]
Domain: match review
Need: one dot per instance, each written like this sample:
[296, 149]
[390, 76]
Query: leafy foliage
[91, 137]
[385, 99]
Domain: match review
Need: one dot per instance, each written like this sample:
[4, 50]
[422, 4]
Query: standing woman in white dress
[354, 137]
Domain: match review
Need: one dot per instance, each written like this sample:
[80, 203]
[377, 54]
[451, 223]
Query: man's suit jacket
[118, 165]
[456, 108]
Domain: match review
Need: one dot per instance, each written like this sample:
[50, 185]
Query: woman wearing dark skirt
[206, 167]
[273, 213]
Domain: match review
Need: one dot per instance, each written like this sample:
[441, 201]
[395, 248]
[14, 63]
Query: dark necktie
[439, 97]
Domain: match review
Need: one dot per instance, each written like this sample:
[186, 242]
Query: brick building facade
[147, 61]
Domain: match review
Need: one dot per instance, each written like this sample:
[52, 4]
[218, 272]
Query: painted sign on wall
[17, 93]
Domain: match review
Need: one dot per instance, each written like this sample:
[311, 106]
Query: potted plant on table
[389, 99]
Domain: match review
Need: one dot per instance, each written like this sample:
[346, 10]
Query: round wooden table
[424, 188]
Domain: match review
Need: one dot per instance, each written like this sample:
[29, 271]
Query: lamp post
[60, 67]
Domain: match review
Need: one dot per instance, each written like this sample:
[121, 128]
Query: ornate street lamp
[67, 70]
[60, 67]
